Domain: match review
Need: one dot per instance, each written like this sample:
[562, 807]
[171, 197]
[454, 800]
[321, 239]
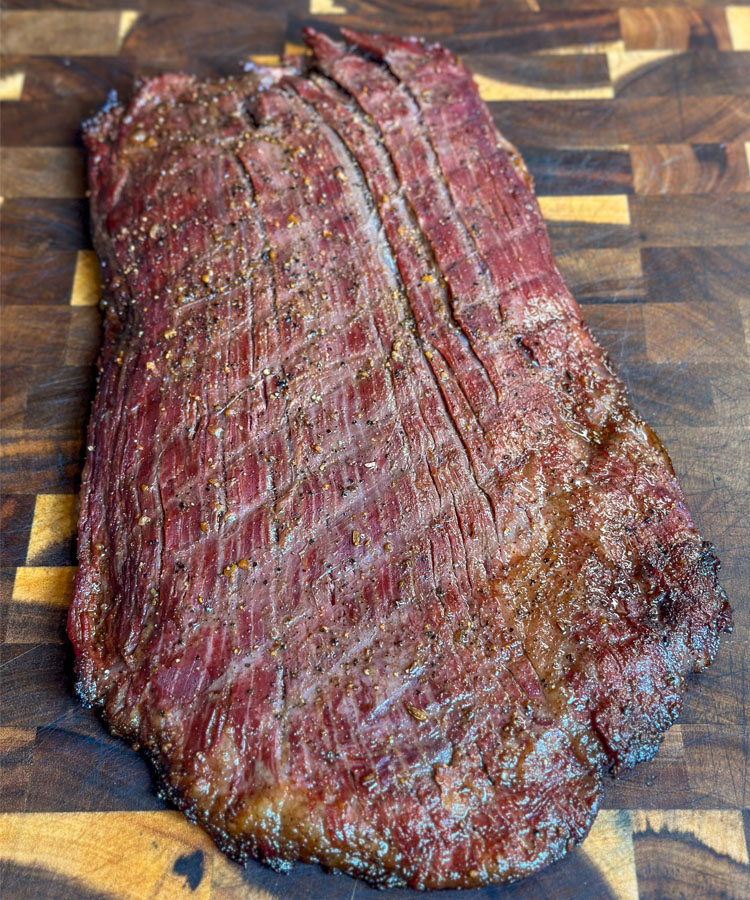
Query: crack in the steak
[424, 338]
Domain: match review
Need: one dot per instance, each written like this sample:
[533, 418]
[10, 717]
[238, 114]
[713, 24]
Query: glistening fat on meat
[377, 564]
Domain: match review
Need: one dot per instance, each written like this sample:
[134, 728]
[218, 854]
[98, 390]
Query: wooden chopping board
[635, 122]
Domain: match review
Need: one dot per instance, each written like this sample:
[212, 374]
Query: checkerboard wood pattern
[635, 121]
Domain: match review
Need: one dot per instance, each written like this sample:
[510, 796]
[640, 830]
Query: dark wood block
[45, 123]
[40, 462]
[608, 123]
[35, 623]
[92, 77]
[42, 172]
[717, 765]
[16, 513]
[78, 766]
[603, 275]
[678, 221]
[468, 28]
[32, 227]
[16, 760]
[36, 685]
[619, 329]
[53, 276]
[729, 386]
[700, 454]
[713, 120]
[61, 398]
[690, 169]
[26, 328]
[558, 73]
[83, 336]
[196, 30]
[671, 393]
[571, 237]
[718, 274]
[660, 783]
[697, 330]
[579, 171]
[14, 395]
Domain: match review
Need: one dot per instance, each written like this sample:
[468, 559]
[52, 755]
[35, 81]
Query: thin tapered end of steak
[377, 565]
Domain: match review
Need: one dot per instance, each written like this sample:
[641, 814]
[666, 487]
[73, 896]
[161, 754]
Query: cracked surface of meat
[377, 565]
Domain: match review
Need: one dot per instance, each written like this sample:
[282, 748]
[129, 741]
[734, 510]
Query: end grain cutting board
[635, 122]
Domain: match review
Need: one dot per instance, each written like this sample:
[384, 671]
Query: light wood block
[87, 280]
[584, 49]
[623, 62]
[54, 522]
[604, 209]
[609, 846]
[738, 22]
[11, 85]
[721, 830]
[51, 585]
[326, 8]
[494, 89]
[135, 852]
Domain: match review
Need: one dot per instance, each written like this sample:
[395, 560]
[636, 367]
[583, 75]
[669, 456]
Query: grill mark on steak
[401, 646]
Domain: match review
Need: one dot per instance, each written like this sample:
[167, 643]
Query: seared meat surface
[377, 564]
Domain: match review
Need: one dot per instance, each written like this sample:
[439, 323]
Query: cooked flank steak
[377, 565]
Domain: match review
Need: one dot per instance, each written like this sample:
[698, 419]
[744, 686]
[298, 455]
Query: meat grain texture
[377, 565]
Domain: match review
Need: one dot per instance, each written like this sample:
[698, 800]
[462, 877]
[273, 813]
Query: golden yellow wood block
[11, 85]
[292, 49]
[64, 32]
[609, 846]
[326, 8]
[721, 830]
[578, 49]
[604, 209]
[87, 280]
[494, 89]
[266, 59]
[131, 853]
[54, 522]
[622, 62]
[738, 22]
[51, 585]
[128, 18]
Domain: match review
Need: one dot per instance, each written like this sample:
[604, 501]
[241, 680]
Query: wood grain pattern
[72, 33]
[634, 119]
